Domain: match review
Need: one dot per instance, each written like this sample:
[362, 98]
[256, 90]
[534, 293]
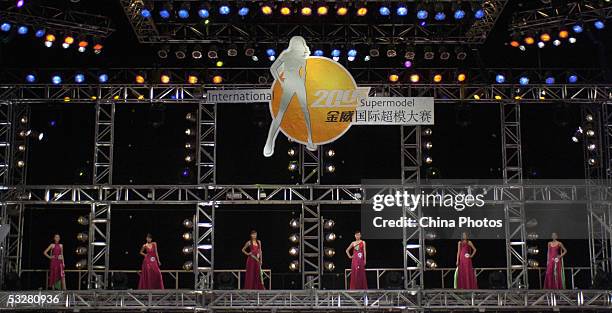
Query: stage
[306, 300]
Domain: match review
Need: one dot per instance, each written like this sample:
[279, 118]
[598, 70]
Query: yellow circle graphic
[330, 91]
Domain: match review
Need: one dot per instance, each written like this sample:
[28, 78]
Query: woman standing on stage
[465, 278]
[253, 279]
[150, 275]
[555, 278]
[358, 262]
[56, 266]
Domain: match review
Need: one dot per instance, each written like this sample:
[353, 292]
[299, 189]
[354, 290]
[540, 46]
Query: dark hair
[149, 236]
[357, 231]
[253, 231]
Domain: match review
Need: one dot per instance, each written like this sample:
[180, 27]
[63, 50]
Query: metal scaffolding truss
[207, 151]
[270, 32]
[104, 143]
[98, 246]
[310, 165]
[570, 13]
[310, 245]
[60, 20]
[203, 249]
[313, 300]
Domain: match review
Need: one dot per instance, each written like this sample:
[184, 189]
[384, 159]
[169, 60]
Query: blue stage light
[549, 80]
[22, 30]
[224, 10]
[459, 14]
[183, 13]
[479, 14]
[271, 52]
[384, 11]
[500, 79]
[318, 53]
[524, 80]
[422, 14]
[599, 24]
[335, 53]
[146, 13]
[402, 10]
[30, 78]
[40, 33]
[577, 28]
[203, 13]
[79, 78]
[164, 13]
[572, 79]
[56, 79]
[243, 11]
[103, 78]
[352, 53]
[440, 16]
[5, 27]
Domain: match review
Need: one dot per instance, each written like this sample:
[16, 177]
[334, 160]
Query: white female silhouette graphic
[289, 64]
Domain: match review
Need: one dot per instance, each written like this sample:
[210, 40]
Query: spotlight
[533, 250]
[163, 52]
[384, 10]
[212, 52]
[329, 252]
[335, 53]
[524, 80]
[572, 78]
[422, 14]
[20, 3]
[401, 10]
[79, 78]
[188, 266]
[49, 40]
[545, 37]
[183, 12]
[291, 152]
[243, 10]
[459, 14]
[592, 161]
[203, 12]
[431, 250]
[140, 79]
[197, 52]
[577, 28]
[362, 11]
[329, 224]
[217, 79]
[341, 10]
[22, 30]
[529, 40]
[294, 238]
[68, 40]
[500, 78]
[563, 34]
[428, 160]
[294, 223]
[56, 79]
[30, 78]
[292, 167]
[306, 10]
[164, 13]
[331, 153]
[40, 33]
[329, 266]
[5, 27]
[461, 77]
[187, 223]
[374, 52]
[330, 237]
[187, 250]
[352, 54]
[408, 64]
[556, 42]
[330, 168]
[187, 236]
[293, 251]
[82, 237]
[146, 13]
[415, 78]
[318, 53]
[429, 54]
[550, 80]
[249, 51]
[103, 78]
[393, 78]
[410, 54]
[232, 50]
[391, 52]
[224, 9]
[285, 10]
[572, 40]
[322, 9]
[440, 15]
[81, 250]
[82, 220]
[533, 263]
[192, 79]
[294, 265]
[479, 13]
[599, 24]
[444, 54]
[592, 147]
[461, 53]
[266, 9]
[431, 263]
[164, 79]
[82, 264]
[83, 46]
[437, 78]
[181, 53]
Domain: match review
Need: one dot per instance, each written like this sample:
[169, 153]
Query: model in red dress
[56, 266]
[253, 278]
[465, 278]
[150, 275]
[358, 262]
[555, 278]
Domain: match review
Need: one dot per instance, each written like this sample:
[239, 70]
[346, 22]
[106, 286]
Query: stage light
[589, 118]
[592, 147]
[83, 46]
[329, 252]
[422, 14]
[294, 238]
[545, 37]
[40, 33]
[192, 79]
[459, 14]
[266, 9]
[408, 64]
[294, 265]
[183, 12]
[522, 48]
[461, 53]
[431, 263]
[529, 40]
[20, 3]
[541, 44]
[97, 48]
[49, 40]
[294, 223]
[428, 145]
[22, 30]
[164, 13]
[30, 78]
[81, 250]
[461, 77]
[437, 78]
[188, 265]
[577, 28]
[374, 52]
[556, 42]
[79, 78]
[82, 237]
[415, 78]
[5, 27]
[352, 54]
[401, 10]
[243, 11]
[140, 79]
[428, 53]
[335, 53]
[410, 54]
[82, 264]
[393, 78]
[342, 10]
[533, 263]
[322, 9]
[362, 11]
[146, 13]
[550, 80]
[590, 133]
[384, 11]
[599, 24]
[479, 13]
[103, 78]
[330, 237]
[318, 53]
[533, 250]
[293, 251]
[83, 220]
[572, 78]
[428, 159]
[329, 224]
[217, 79]
[514, 44]
[285, 10]
[56, 79]
[203, 12]
[329, 266]
[440, 15]
[444, 54]
[306, 11]
[212, 52]
[68, 40]
[500, 78]
[224, 10]
[431, 250]
[330, 168]
[391, 52]
[572, 40]
[164, 79]
[524, 80]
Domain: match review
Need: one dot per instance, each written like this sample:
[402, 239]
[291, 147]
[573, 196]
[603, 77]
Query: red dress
[465, 276]
[56, 266]
[554, 278]
[358, 272]
[150, 276]
[253, 278]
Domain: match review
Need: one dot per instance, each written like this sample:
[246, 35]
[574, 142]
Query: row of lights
[545, 37]
[461, 77]
[103, 78]
[422, 12]
[69, 40]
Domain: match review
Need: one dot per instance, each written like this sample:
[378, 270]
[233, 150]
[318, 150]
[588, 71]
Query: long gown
[358, 272]
[554, 278]
[56, 267]
[150, 275]
[465, 278]
[253, 279]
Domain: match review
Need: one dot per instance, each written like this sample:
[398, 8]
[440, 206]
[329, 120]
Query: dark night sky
[466, 142]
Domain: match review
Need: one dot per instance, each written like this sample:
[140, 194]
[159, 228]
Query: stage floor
[306, 300]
